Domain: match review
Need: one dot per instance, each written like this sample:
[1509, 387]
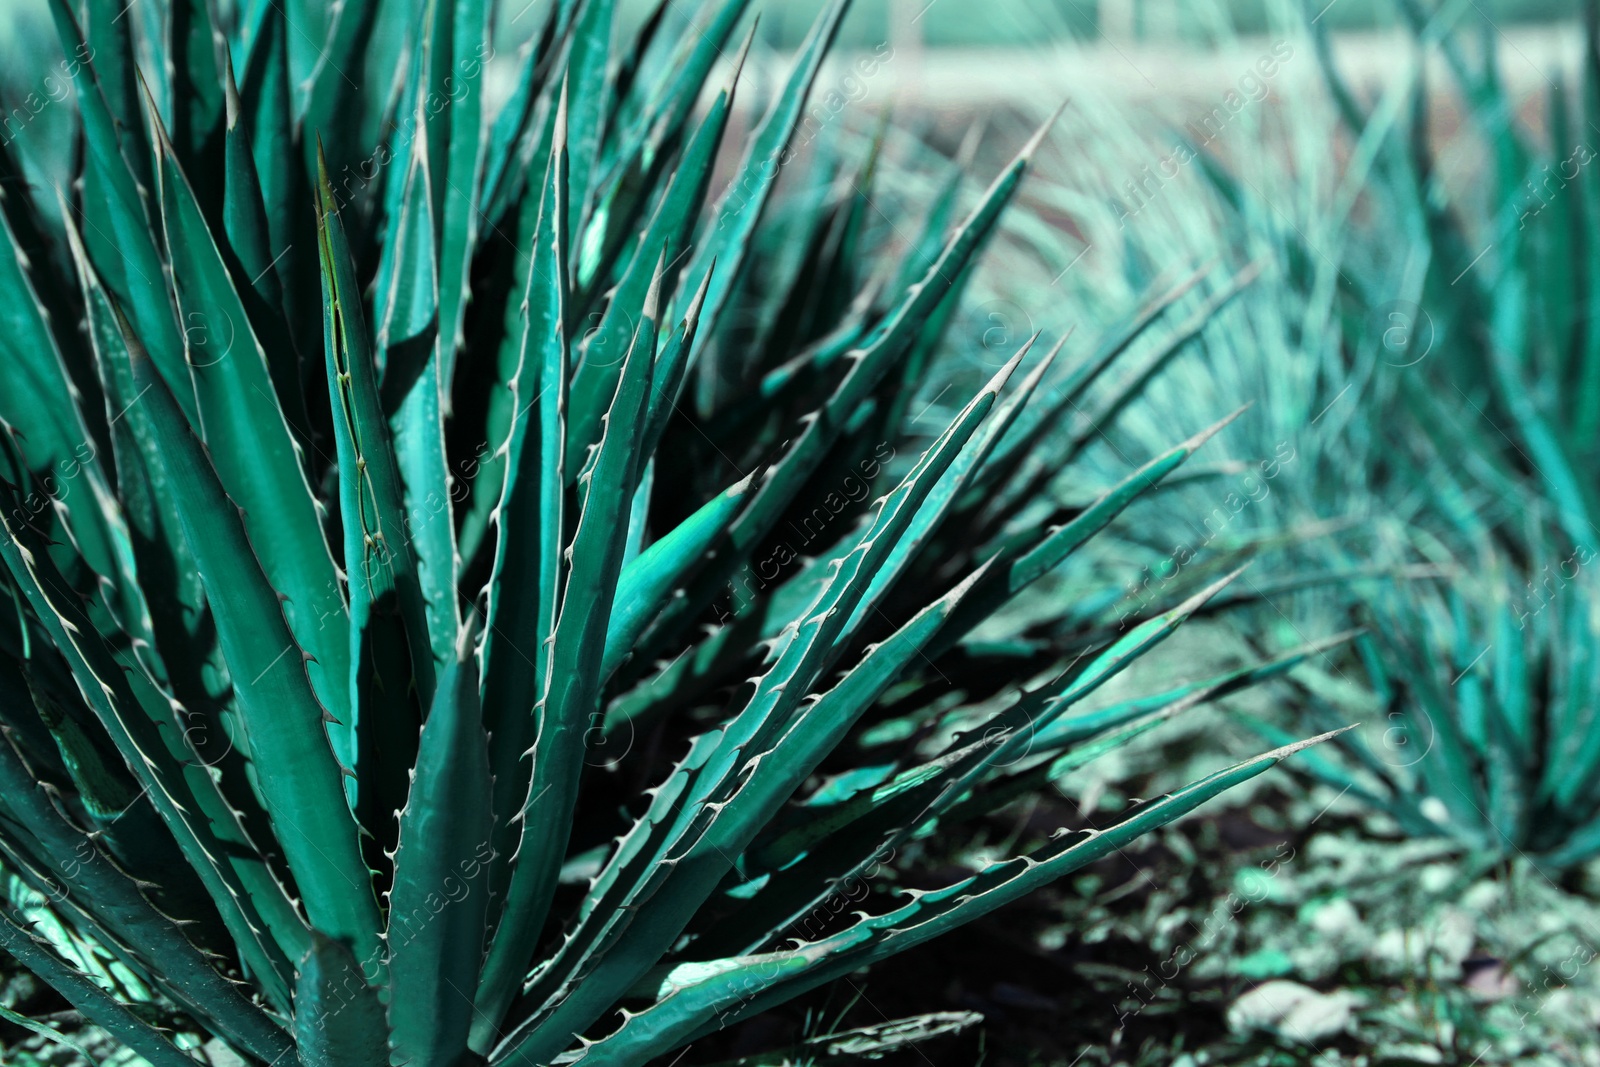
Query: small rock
[1488, 978]
[1292, 1011]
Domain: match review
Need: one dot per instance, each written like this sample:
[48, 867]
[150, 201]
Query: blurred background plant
[1421, 341]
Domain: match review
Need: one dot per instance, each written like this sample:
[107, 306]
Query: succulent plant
[323, 668]
[1474, 361]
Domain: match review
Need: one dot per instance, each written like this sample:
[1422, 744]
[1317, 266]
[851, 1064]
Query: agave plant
[1488, 736]
[1426, 407]
[326, 675]
[1474, 352]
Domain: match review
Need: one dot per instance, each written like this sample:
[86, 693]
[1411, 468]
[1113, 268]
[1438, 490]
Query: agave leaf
[1581, 845]
[1585, 418]
[253, 263]
[795, 238]
[406, 346]
[667, 382]
[1508, 783]
[123, 820]
[338, 1019]
[1090, 735]
[1570, 779]
[569, 704]
[924, 793]
[1567, 758]
[419, 108]
[1558, 290]
[756, 983]
[116, 227]
[390, 654]
[106, 689]
[797, 372]
[1446, 763]
[1072, 729]
[668, 103]
[896, 396]
[828, 294]
[38, 401]
[383, 65]
[472, 46]
[105, 789]
[828, 720]
[249, 441]
[644, 53]
[644, 146]
[1575, 503]
[439, 901]
[526, 580]
[1038, 420]
[808, 857]
[650, 577]
[953, 484]
[486, 487]
[925, 249]
[723, 805]
[38, 394]
[588, 87]
[167, 578]
[83, 993]
[1060, 542]
[55, 1037]
[765, 720]
[690, 674]
[511, 123]
[331, 109]
[52, 284]
[1186, 331]
[197, 93]
[666, 238]
[1028, 484]
[1511, 683]
[1001, 792]
[741, 205]
[531, 131]
[22, 687]
[619, 877]
[297, 773]
[868, 367]
[266, 103]
[634, 860]
[406, 289]
[110, 40]
[639, 512]
[1337, 775]
[115, 900]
